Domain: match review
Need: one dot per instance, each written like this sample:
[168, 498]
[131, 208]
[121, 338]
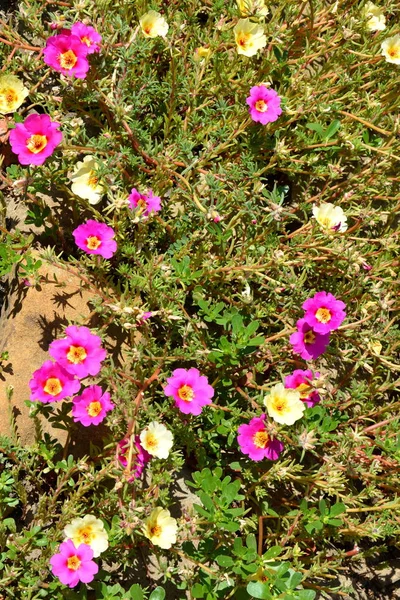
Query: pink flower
[264, 104]
[92, 406]
[147, 203]
[80, 353]
[140, 456]
[254, 440]
[74, 564]
[35, 139]
[190, 390]
[87, 35]
[67, 54]
[324, 313]
[95, 238]
[307, 342]
[144, 316]
[302, 382]
[51, 382]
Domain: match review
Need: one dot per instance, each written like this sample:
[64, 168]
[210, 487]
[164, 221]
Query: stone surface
[30, 320]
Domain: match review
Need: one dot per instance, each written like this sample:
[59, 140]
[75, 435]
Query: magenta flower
[35, 139]
[80, 353]
[264, 103]
[323, 312]
[74, 564]
[51, 382]
[147, 203]
[302, 382]
[144, 316]
[255, 441]
[87, 35]
[190, 390]
[140, 456]
[67, 54]
[92, 406]
[95, 238]
[307, 342]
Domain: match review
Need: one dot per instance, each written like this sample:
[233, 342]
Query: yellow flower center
[309, 337]
[304, 390]
[151, 441]
[76, 354]
[155, 530]
[86, 40]
[36, 143]
[261, 106]
[85, 535]
[94, 409]
[242, 40]
[280, 405]
[93, 180]
[68, 60]
[323, 315]
[141, 203]
[186, 393]
[394, 51]
[73, 563]
[10, 97]
[53, 386]
[261, 439]
[93, 242]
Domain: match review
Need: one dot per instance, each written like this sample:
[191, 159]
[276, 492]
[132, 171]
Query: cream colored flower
[330, 217]
[284, 405]
[12, 93]
[156, 439]
[376, 20]
[391, 49]
[153, 24]
[160, 528]
[249, 37]
[252, 7]
[85, 182]
[88, 530]
[201, 53]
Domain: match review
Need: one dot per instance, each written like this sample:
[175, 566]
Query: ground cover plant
[223, 178]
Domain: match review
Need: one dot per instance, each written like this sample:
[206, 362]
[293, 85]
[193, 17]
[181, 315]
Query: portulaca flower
[153, 24]
[284, 405]
[156, 439]
[330, 217]
[391, 49]
[249, 37]
[85, 182]
[90, 531]
[160, 528]
[376, 20]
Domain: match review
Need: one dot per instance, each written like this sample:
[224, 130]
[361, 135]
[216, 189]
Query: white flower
[284, 405]
[160, 528]
[376, 20]
[153, 24]
[249, 37]
[391, 49]
[90, 531]
[156, 439]
[330, 217]
[85, 183]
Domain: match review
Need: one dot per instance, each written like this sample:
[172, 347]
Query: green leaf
[305, 594]
[197, 591]
[258, 590]
[335, 522]
[337, 509]
[332, 129]
[136, 592]
[272, 552]
[322, 507]
[158, 594]
[224, 561]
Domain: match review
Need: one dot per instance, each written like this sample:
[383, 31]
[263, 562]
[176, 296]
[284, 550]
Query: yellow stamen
[94, 409]
[68, 60]
[36, 143]
[53, 386]
[85, 535]
[85, 40]
[10, 96]
[280, 405]
[73, 563]
[151, 441]
[323, 315]
[304, 390]
[93, 180]
[76, 354]
[261, 439]
[261, 106]
[309, 337]
[186, 393]
[93, 242]
[155, 530]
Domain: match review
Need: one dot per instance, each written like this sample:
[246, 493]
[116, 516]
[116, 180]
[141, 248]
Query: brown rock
[31, 318]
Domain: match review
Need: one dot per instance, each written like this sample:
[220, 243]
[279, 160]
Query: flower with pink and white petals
[51, 382]
[302, 382]
[307, 342]
[95, 238]
[88, 36]
[92, 406]
[324, 313]
[80, 353]
[190, 390]
[264, 103]
[255, 441]
[140, 456]
[35, 139]
[67, 54]
[74, 564]
[147, 203]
